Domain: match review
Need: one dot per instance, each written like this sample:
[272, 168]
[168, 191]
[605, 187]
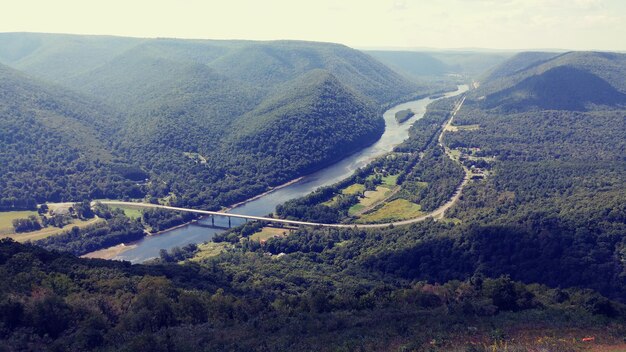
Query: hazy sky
[500, 24]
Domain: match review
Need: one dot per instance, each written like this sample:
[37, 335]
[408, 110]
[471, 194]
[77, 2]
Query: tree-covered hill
[60, 57]
[559, 88]
[535, 70]
[517, 63]
[55, 144]
[554, 135]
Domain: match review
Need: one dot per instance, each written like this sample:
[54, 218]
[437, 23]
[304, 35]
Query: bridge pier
[229, 222]
[213, 220]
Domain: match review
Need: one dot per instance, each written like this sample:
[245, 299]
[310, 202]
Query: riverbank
[109, 253]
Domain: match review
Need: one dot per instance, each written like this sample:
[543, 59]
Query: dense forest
[249, 301]
[54, 146]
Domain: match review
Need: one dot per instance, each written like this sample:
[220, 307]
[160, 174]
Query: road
[436, 214]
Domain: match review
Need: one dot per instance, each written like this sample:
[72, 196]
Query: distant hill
[543, 81]
[432, 65]
[517, 63]
[59, 57]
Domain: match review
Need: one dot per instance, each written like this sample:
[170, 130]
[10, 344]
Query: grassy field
[133, 212]
[399, 209]
[267, 233]
[210, 249]
[390, 181]
[353, 189]
[355, 209]
[371, 198]
[7, 217]
[50, 230]
[455, 153]
[462, 128]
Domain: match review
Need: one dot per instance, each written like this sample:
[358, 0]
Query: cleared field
[355, 209]
[353, 189]
[131, 211]
[209, 250]
[455, 153]
[49, 231]
[7, 217]
[399, 209]
[372, 197]
[462, 128]
[268, 232]
[390, 181]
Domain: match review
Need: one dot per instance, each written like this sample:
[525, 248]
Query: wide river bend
[199, 232]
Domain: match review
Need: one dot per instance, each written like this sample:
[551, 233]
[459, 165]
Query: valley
[237, 195]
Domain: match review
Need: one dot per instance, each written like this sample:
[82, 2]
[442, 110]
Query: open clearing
[130, 211]
[7, 217]
[390, 180]
[372, 197]
[451, 128]
[268, 232]
[353, 189]
[399, 209]
[49, 231]
[209, 250]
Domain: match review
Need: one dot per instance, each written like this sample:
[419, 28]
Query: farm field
[209, 250]
[395, 210]
[7, 217]
[48, 231]
[267, 233]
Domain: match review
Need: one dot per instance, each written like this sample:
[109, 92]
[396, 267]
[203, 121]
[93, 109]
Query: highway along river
[199, 232]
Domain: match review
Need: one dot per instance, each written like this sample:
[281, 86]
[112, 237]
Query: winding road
[436, 214]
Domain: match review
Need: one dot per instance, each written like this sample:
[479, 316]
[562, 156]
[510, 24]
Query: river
[199, 232]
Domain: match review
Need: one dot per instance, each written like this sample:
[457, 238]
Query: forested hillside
[211, 123]
[56, 145]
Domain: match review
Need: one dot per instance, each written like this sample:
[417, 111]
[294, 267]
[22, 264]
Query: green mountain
[60, 57]
[517, 63]
[569, 81]
[55, 144]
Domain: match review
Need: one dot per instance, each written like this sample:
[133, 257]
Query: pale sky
[496, 24]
